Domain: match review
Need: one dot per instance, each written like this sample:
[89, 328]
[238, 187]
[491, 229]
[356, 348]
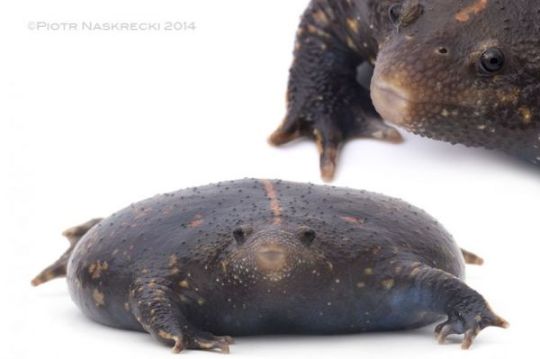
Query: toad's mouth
[392, 103]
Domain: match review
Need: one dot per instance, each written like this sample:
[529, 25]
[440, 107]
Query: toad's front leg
[440, 292]
[157, 308]
[325, 101]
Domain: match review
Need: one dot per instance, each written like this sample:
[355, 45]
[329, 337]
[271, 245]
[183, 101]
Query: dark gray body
[145, 235]
[261, 256]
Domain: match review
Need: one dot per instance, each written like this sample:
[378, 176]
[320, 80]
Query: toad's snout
[271, 258]
[391, 100]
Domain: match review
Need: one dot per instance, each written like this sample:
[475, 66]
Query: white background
[92, 121]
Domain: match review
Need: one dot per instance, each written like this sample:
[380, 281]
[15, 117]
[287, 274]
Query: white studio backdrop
[92, 120]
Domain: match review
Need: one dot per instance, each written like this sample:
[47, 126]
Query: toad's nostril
[442, 50]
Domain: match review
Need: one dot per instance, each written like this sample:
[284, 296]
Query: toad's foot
[469, 325]
[207, 341]
[331, 130]
[156, 307]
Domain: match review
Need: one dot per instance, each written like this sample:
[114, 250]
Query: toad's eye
[240, 233]
[491, 61]
[394, 13]
[306, 235]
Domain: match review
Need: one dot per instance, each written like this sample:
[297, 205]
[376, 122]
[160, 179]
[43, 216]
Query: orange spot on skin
[197, 221]
[353, 220]
[465, 14]
[274, 202]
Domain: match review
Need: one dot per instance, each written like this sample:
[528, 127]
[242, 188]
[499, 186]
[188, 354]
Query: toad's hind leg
[325, 101]
[156, 307]
[440, 292]
[58, 268]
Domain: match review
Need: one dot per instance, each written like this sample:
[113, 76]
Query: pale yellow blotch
[330, 266]
[314, 30]
[388, 283]
[360, 285]
[508, 96]
[352, 24]
[320, 17]
[173, 260]
[96, 269]
[99, 297]
[184, 284]
[351, 44]
[201, 301]
[368, 271]
[318, 140]
[126, 306]
[168, 336]
[206, 345]
[526, 115]
[415, 271]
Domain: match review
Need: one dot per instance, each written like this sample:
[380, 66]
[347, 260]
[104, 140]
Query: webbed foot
[469, 325]
[207, 341]
[325, 101]
[466, 310]
[330, 131]
[156, 307]
[58, 268]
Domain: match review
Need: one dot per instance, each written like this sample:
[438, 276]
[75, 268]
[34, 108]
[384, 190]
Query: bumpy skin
[261, 256]
[429, 76]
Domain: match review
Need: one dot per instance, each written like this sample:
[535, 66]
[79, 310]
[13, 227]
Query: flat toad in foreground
[252, 257]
